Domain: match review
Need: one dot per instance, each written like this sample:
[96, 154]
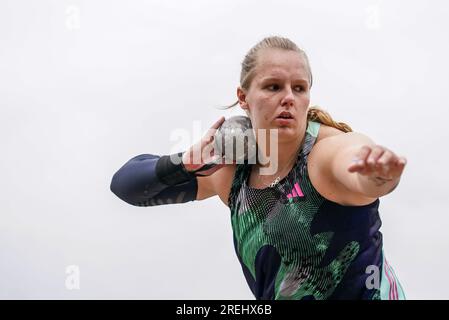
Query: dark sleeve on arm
[137, 183]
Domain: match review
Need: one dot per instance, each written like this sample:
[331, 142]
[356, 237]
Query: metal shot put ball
[235, 139]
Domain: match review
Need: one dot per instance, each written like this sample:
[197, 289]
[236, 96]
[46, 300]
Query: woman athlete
[310, 230]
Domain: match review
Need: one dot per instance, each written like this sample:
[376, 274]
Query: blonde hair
[314, 113]
[319, 115]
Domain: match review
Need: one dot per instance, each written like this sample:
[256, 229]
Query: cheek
[261, 107]
[306, 100]
[260, 113]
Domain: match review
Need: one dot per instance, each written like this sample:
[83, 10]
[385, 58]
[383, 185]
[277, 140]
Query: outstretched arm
[378, 169]
[360, 166]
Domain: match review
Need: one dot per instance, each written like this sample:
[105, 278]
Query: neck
[274, 162]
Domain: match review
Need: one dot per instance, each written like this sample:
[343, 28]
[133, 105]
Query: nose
[289, 99]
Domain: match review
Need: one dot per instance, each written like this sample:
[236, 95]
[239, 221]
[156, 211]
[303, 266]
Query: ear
[241, 95]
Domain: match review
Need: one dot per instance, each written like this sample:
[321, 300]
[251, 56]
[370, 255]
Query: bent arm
[359, 166]
[149, 180]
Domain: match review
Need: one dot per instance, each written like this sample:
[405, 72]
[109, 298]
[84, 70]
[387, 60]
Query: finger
[218, 123]
[359, 166]
[387, 158]
[359, 162]
[364, 152]
[376, 153]
[392, 165]
[402, 161]
[399, 166]
[386, 162]
[356, 165]
[210, 153]
[209, 136]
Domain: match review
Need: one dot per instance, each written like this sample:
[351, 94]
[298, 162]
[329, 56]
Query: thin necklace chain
[278, 178]
[275, 182]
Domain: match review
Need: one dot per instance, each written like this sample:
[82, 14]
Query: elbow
[137, 184]
[115, 185]
[122, 190]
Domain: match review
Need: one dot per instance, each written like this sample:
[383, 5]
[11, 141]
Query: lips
[285, 115]
[283, 122]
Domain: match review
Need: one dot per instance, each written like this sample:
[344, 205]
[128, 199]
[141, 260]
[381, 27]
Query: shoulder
[326, 140]
[316, 175]
[326, 132]
[335, 138]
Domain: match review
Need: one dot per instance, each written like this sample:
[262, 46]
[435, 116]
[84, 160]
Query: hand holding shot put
[202, 158]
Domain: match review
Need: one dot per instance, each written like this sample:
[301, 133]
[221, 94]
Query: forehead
[281, 63]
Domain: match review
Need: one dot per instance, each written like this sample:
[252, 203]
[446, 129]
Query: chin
[286, 133]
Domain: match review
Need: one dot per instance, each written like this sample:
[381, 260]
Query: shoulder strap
[312, 131]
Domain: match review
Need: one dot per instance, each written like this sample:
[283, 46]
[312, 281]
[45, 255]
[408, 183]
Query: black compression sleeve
[171, 171]
[149, 180]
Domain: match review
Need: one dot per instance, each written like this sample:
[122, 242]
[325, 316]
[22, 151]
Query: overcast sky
[87, 85]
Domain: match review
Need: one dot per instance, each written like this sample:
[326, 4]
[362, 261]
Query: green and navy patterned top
[292, 243]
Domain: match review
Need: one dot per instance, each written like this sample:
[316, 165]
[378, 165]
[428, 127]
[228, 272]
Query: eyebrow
[271, 78]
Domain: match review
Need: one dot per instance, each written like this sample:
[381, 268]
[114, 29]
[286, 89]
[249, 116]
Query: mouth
[284, 118]
[285, 115]
[284, 121]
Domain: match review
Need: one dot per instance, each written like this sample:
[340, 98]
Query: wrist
[376, 186]
[170, 169]
[185, 161]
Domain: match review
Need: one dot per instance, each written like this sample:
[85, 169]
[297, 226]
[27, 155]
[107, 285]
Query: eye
[273, 87]
[299, 88]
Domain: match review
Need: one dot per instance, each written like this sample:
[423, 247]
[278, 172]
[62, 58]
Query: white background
[87, 85]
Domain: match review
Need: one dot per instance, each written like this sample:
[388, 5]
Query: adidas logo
[296, 192]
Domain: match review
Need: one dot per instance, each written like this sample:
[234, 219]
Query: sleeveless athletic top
[292, 243]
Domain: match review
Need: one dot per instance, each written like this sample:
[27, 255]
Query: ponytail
[318, 115]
